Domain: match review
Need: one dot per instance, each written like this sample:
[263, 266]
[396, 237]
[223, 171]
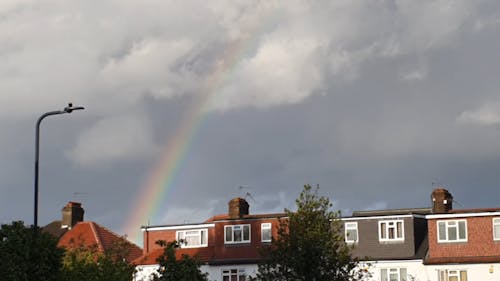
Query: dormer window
[193, 238]
[452, 231]
[351, 232]
[391, 230]
[239, 233]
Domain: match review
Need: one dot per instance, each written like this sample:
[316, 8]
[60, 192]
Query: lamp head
[70, 108]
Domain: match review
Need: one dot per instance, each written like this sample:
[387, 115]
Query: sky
[197, 102]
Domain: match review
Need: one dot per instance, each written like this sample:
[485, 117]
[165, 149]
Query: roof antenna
[75, 194]
[247, 194]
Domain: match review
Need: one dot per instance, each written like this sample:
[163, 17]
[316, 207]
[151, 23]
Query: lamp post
[68, 109]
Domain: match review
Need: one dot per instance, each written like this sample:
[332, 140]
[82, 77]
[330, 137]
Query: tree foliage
[310, 245]
[89, 263]
[172, 269]
[27, 254]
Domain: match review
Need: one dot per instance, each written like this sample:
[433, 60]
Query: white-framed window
[496, 228]
[452, 275]
[391, 230]
[265, 232]
[234, 274]
[351, 232]
[393, 274]
[239, 233]
[193, 238]
[452, 231]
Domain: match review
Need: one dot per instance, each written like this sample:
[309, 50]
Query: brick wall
[479, 243]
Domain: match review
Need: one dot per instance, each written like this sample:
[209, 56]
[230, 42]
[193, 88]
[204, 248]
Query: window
[265, 232]
[391, 230]
[237, 233]
[351, 232]
[193, 238]
[496, 229]
[452, 275]
[393, 274]
[452, 231]
[234, 274]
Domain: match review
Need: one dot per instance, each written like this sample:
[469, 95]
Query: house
[463, 244]
[437, 243]
[73, 232]
[227, 244]
[392, 242]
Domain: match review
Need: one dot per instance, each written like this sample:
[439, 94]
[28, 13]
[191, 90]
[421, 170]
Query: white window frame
[400, 272]
[181, 235]
[239, 273]
[496, 234]
[266, 227]
[391, 224]
[235, 227]
[449, 225]
[444, 274]
[351, 226]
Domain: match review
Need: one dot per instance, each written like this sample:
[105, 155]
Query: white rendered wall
[214, 272]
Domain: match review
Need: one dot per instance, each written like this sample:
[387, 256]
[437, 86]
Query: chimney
[441, 201]
[72, 213]
[238, 207]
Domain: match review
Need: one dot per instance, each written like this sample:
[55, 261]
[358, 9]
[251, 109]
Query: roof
[225, 217]
[392, 212]
[151, 258]
[89, 234]
[55, 229]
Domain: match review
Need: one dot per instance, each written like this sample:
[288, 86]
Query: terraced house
[437, 243]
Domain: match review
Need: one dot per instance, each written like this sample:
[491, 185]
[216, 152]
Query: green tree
[27, 254]
[89, 263]
[310, 245]
[171, 269]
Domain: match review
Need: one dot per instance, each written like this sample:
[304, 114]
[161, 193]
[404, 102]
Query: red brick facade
[479, 247]
[217, 250]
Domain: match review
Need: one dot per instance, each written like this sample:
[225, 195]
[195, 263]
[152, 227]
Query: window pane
[391, 233]
[352, 235]
[237, 234]
[266, 232]
[463, 275]
[383, 274]
[402, 274]
[400, 229]
[204, 237]
[393, 277]
[497, 231]
[229, 234]
[382, 231]
[192, 240]
[246, 232]
[452, 233]
[461, 229]
[442, 230]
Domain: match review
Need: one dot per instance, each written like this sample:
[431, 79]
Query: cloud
[488, 114]
[116, 138]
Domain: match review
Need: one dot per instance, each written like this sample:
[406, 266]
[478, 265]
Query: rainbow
[152, 194]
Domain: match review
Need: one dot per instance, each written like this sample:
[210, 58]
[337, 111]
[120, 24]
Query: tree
[27, 254]
[88, 263]
[171, 269]
[310, 245]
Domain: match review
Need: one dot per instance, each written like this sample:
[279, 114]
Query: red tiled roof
[202, 254]
[90, 234]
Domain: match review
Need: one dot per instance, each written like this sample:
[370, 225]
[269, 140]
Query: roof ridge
[96, 235]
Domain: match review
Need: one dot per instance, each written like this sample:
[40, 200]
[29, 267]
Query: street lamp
[68, 109]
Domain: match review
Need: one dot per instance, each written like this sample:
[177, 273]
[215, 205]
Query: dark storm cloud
[374, 107]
